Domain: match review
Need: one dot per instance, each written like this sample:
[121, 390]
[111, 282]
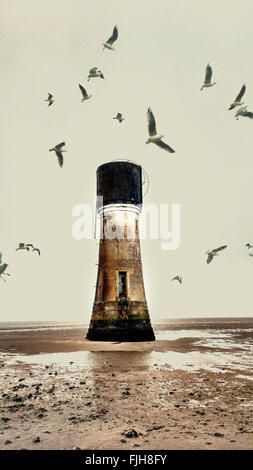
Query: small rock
[155, 428]
[218, 434]
[123, 441]
[77, 448]
[130, 433]
[7, 442]
[36, 439]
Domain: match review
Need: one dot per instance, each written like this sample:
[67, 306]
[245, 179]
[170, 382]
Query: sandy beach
[190, 389]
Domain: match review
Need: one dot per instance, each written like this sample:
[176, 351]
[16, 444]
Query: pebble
[36, 439]
[130, 433]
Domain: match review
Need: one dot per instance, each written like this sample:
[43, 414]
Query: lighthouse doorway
[122, 284]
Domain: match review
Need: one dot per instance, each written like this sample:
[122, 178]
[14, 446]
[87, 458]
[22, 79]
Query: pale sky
[161, 55]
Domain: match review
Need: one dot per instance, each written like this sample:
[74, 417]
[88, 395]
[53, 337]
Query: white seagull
[177, 278]
[58, 150]
[153, 136]
[207, 83]
[23, 246]
[3, 268]
[94, 72]
[84, 93]
[238, 101]
[119, 117]
[50, 99]
[212, 253]
[242, 111]
[108, 44]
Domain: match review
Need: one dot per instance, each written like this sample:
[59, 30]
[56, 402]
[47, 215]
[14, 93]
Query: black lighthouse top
[119, 182]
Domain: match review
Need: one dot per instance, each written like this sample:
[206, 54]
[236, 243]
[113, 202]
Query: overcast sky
[160, 59]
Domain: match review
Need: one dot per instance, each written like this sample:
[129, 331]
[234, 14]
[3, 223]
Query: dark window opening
[122, 284]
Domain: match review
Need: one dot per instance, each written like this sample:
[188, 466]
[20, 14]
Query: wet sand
[190, 389]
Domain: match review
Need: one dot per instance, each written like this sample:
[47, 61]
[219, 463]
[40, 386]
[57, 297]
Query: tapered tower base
[120, 311]
[120, 330]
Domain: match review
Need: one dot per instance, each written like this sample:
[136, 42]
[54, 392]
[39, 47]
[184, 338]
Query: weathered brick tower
[120, 309]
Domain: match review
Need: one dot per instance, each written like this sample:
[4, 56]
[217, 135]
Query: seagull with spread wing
[108, 44]
[177, 278]
[242, 111]
[36, 249]
[50, 99]
[3, 267]
[153, 136]
[84, 93]
[207, 83]
[94, 72]
[238, 101]
[212, 253]
[58, 150]
[119, 117]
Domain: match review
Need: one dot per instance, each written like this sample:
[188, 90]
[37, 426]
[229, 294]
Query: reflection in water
[224, 352]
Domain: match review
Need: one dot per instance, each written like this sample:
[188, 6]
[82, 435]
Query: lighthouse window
[122, 284]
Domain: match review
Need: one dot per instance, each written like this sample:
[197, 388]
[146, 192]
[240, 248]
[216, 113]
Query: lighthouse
[120, 311]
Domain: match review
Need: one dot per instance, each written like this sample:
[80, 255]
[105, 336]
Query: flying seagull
[108, 44]
[249, 245]
[177, 278]
[23, 246]
[238, 101]
[84, 93]
[58, 150]
[3, 268]
[50, 99]
[212, 253]
[119, 117]
[153, 136]
[94, 72]
[207, 83]
[242, 111]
